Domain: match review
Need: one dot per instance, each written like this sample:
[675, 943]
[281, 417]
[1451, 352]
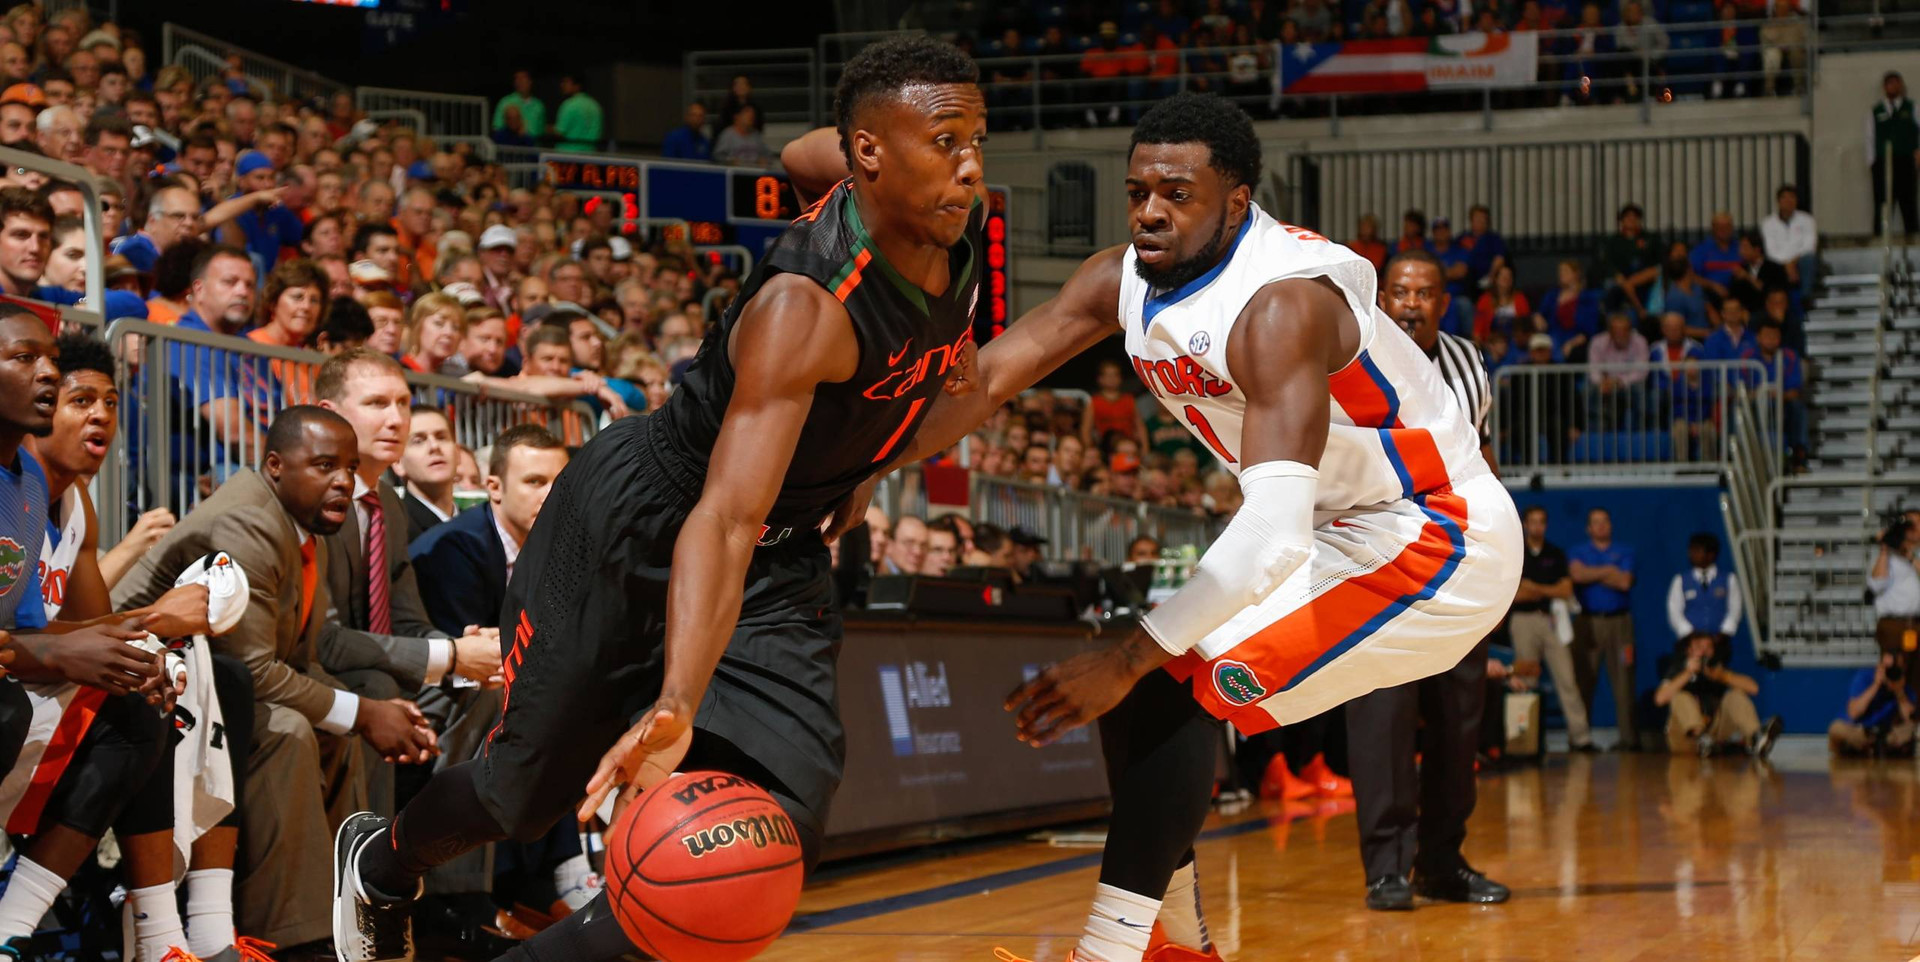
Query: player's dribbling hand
[1070, 694]
[644, 756]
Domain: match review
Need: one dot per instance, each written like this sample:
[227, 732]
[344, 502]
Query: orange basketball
[705, 867]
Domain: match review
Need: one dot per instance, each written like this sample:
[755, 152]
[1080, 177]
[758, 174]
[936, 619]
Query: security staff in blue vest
[1602, 571]
[1892, 129]
[1705, 597]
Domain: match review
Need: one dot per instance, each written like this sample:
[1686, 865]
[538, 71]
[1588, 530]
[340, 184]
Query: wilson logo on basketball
[1237, 683]
[758, 831]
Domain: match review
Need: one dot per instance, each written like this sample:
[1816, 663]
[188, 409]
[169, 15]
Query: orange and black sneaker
[1161, 950]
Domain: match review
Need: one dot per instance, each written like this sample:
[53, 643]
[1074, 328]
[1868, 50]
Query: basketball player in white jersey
[1374, 547]
[41, 791]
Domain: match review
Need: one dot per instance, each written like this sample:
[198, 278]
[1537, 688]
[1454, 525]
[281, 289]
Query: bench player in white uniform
[1374, 546]
[32, 796]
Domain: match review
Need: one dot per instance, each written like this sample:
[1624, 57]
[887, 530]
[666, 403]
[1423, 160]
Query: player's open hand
[1070, 694]
[644, 756]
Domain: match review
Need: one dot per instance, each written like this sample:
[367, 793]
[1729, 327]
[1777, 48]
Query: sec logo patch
[1199, 342]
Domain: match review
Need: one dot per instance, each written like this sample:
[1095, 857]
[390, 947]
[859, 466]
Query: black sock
[443, 822]
[1160, 747]
[589, 935]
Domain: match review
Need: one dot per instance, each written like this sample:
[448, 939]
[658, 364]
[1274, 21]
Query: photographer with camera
[1879, 718]
[1710, 706]
[1895, 581]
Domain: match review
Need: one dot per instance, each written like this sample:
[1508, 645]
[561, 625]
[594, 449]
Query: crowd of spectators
[1103, 62]
[1637, 320]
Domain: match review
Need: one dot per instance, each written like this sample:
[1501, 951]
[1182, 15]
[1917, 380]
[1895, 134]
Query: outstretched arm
[1083, 314]
[1286, 343]
[792, 337]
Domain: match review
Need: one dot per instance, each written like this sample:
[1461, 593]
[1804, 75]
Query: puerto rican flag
[1354, 67]
[1408, 65]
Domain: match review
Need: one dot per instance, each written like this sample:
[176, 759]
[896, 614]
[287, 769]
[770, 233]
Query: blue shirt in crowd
[1883, 709]
[1597, 598]
[1714, 261]
[139, 251]
[686, 143]
[1721, 346]
[269, 230]
[1481, 250]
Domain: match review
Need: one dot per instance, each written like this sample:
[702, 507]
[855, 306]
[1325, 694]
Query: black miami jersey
[909, 341]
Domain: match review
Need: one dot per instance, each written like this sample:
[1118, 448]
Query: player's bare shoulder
[793, 317]
[1285, 315]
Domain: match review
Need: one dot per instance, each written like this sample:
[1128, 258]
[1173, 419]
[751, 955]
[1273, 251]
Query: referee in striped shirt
[1413, 820]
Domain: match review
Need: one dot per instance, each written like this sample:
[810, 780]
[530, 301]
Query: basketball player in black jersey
[814, 381]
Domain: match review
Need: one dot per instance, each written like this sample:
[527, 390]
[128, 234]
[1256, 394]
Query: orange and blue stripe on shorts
[1287, 652]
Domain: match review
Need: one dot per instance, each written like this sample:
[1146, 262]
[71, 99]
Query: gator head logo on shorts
[1237, 683]
[13, 564]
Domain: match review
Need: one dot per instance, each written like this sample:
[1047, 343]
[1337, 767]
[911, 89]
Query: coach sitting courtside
[306, 772]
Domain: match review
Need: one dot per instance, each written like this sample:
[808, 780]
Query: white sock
[209, 911]
[1119, 927]
[1181, 917]
[29, 895]
[156, 921]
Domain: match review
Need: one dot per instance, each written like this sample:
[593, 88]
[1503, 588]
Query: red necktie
[379, 613]
[309, 580]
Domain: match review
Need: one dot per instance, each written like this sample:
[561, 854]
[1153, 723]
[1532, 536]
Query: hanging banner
[1410, 65]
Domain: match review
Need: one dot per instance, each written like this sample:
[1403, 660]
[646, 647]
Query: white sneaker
[365, 929]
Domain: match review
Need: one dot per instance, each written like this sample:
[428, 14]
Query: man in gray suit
[380, 641]
[306, 771]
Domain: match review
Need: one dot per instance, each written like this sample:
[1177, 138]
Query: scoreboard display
[719, 207]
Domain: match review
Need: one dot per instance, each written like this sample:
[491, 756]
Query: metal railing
[1817, 611]
[1630, 422]
[1553, 196]
[786, 82]
[442, 115]
[1077, 526]
[281, 79]
[196, 405]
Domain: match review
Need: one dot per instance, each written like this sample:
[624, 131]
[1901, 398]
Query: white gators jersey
[1396, 431]
[56, 561]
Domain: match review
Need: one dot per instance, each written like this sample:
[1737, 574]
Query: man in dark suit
[425, 475]
[464, 564]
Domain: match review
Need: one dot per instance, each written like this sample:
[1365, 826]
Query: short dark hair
[1597, 510]
[201, 140]
[1531, 510]
[1768, 323]
[1480, 209]
[988, 537]
[1706, 540]
[1187, 117]
[347, 323]
[289, 427]
[1753, 237]
[1630, 208]
[331, 383]
[173, 270]
[19, 200]
[108, 124]
[61, 225]
[83, 352]
[597, 242]
[1786, 189]
[1417, 256]
[883, 67]
[369, 231]
[549, 332]
[1418, 216]
[519, 436]
[213, 252]
[1135, 543]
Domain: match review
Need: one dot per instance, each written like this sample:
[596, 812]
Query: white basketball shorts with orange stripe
[1390, 594]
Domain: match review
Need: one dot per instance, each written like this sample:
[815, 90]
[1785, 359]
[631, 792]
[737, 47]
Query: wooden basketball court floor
[1612, 858]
